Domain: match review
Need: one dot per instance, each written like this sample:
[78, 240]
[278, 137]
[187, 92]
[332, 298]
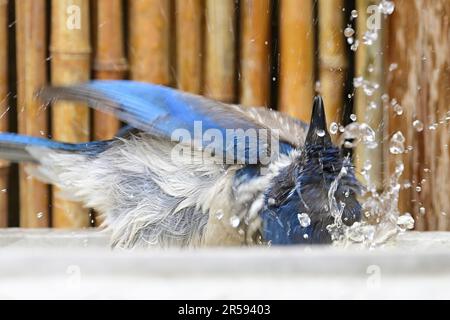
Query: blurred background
[378, 62]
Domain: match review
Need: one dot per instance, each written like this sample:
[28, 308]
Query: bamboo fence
[189, 44]
[332, 57]
[149, 45]
[420, 50]
[220, 50]
[369, 66]
[109, 58]
[255, 53]
[4, 89]
[70, 63]
[32, 117]
[271, 53]
[296, 57]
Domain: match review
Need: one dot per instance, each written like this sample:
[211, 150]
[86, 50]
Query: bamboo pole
[296, 61]
[32, 117]
[220, 65]
[189, 18]
[4, 165]
[255, 52]
[420, 48]
[70, 50]
[149, 47]
[109, 61]
[332, 60]
[370, 66]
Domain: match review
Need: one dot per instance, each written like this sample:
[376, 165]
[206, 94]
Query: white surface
[79, 264]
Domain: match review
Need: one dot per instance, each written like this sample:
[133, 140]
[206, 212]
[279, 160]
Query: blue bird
[190, 171]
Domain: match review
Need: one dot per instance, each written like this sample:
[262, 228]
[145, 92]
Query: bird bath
[80, 264]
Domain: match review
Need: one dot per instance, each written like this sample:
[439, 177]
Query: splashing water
[381, 217]
[382, 220]
[358, 132]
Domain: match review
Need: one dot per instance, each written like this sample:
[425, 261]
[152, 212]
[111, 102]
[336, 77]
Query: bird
[189, 171]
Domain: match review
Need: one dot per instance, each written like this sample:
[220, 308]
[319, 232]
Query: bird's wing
[291, 130]
[161, 111]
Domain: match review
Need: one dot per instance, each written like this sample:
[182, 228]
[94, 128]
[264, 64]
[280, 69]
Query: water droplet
[40, 215]
[399, 168]
[385, 97]
[320, 133]
[418, 189]
[317, 86]
[219, 215]
[367, 165]
[235, 221]
[349, 31]
[305, 236]
[348, 144]
[433, 126]
[405, 221]
[406, 184]
[271, 201]
[347, 193]
[373, 105]
[370, 37]
[357, 82]
[393, 66]
[353, 117]
[350, 40]
[4, 190]
[422, 210]
[304, 219]
[334, 127]
[398, 109]
[418, 125]
[354, 14]
[397, 143]
[359, 132]
[354, 46]
[386, 7]
[370, 87]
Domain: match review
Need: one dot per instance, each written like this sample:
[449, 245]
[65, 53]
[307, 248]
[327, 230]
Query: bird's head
[306, 195]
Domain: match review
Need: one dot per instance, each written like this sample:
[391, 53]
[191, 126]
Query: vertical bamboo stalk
[189, 18]
[32, 117]
[220, 81]
[109, 61]
[420, 48]
[332, 60]
[4, 165]
[220, 65]
[149, 47]
[70, 49]
[370, 66]
[255, 52]
[296, 61]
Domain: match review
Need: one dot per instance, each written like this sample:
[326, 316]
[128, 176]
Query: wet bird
[190, 171]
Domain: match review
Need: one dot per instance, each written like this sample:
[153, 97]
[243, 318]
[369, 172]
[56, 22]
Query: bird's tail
[18, 148]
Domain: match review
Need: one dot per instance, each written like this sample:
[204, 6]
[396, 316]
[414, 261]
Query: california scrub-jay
[191, 171]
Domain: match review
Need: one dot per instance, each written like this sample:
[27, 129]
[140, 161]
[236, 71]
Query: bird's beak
[318, 132]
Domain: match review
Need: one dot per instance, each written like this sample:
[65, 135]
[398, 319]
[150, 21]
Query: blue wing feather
[160, 111]
[14, 146]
